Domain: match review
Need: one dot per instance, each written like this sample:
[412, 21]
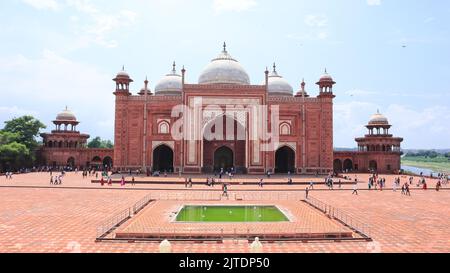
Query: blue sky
[55, 53]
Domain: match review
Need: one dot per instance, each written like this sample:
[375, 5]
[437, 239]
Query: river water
[417, 170]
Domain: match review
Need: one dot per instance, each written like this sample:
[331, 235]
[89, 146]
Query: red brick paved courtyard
[34, 218]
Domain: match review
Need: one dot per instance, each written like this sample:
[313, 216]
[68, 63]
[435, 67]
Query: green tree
[98, 143]
[18, 142]
[13, 156]
[95, 143]
[8, 137]
[27, 128]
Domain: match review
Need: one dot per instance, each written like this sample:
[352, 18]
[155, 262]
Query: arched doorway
[163, 159]
[285, 160]
[96, 162]
[224, 131]
[337, 166]
[107, 162]
[223, 159]
[71, 162]
[373, 166]
[348, 165]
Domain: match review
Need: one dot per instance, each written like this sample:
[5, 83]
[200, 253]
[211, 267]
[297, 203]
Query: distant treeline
[427, 153]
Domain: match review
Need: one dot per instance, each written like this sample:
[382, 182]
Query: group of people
[108, 180]
[9, 175]
[210, 181]
[376, 182]
[57, 180]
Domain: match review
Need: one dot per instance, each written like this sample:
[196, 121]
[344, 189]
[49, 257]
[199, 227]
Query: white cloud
[54, 82]
[316, 20]
[233, 5]
[99, 24]
[373, 2]
[420, 127]
[43, 4]
[359, 92]
[7, 112]
[91, 24]
[429, 20]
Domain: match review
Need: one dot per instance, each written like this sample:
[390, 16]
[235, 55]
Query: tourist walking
[261, 183]
[438, 185]
[407, 192]
[311, 185]
[133, 181]
[102, 182]
[122, 181]
[51, 180]
[307, 192]
[355, 189]
[110, 181]
[225, 190]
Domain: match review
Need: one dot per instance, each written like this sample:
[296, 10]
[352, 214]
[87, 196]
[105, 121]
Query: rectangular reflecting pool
[231, 214]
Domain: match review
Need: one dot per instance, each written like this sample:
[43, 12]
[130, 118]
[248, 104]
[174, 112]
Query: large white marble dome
[277, 85]
[224, 70]
[171, 84]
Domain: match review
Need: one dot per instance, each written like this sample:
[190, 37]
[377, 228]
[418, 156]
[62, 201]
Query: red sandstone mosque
[223, 126]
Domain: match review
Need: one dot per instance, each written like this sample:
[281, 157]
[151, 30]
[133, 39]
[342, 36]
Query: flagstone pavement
[37, 217]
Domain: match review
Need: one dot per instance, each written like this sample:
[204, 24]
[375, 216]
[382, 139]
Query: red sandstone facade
[143, 124]
[67, 147]
[144, 127]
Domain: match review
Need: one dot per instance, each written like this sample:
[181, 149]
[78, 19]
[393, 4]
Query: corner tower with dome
[378, 151]
[144, 122]
[65, 146]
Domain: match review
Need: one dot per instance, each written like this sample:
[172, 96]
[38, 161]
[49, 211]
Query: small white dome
[277, 85]
[171, 84]
[224, 70]
[122, 73]
[66, 115]
[378, 119]
[326, 77]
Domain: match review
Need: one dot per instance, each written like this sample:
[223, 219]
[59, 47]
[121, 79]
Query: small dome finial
[224, 47]
[123, 67]
[274, 67]
[326, 72]
[174, 70]
[67, 108]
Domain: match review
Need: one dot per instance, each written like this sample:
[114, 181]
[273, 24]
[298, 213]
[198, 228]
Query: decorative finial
[378, 111]
[123, 67]
[326, 71]
[224, 47]
[303, 85]
[146, 80]
[174, 70]
[267, 70]
[67, 108]
[274, 67]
